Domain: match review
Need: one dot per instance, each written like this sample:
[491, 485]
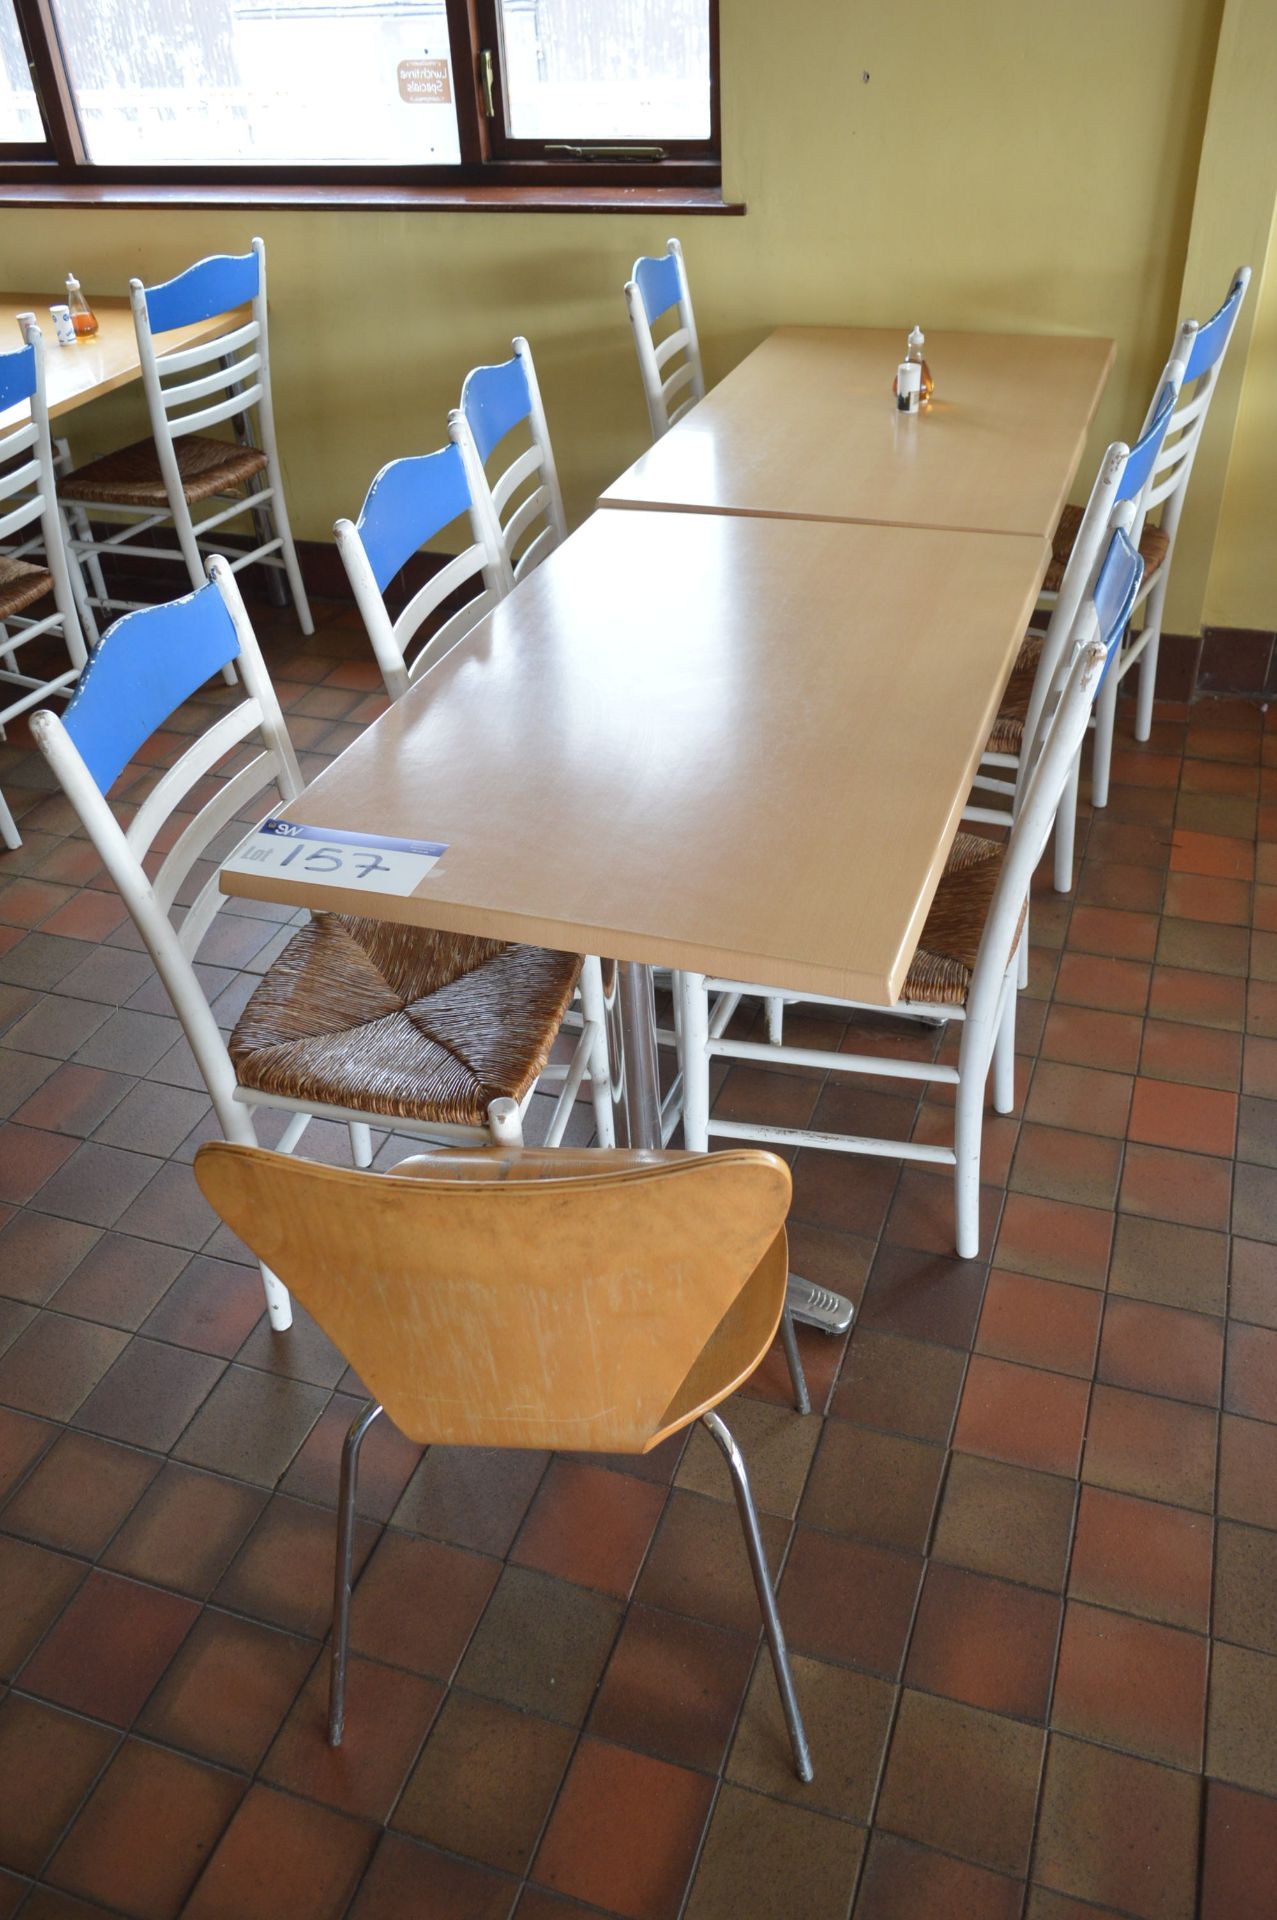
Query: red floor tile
[1240, 1852]
[109, 1648]
[1041, 1323]
[1132, 1684]
[1161, 1350]
[1141, 1557]
[1118, 1831]
[1161, 1449]
[48, 1762]
[1022, 1415]
[596, 1851]
[282, 1859]
[1198, 1119]
[985, 1642]
[589, 1526]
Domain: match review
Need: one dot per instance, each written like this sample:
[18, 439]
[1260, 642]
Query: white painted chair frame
[535, 464]
[238, 384]
[988, 1018]
[483, 560]
[30, 524]
[216, 826]
[661, 389]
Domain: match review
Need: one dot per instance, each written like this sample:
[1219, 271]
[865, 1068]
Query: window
[411, 91]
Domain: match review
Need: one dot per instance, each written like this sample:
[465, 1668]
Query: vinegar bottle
[916, 342]
[82, 316]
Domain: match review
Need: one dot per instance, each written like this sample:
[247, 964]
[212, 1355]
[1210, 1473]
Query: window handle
[485, 81]
[636, 155]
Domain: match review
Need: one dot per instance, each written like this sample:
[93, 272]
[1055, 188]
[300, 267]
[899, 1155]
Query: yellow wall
[1242, 590]
[992, 172]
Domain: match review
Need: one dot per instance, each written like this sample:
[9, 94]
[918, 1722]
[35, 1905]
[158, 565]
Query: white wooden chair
[357, 1021]
[966, 963]
[37, 602]
[658, 286]
[158, 481]
[409, 503]
[525, 498]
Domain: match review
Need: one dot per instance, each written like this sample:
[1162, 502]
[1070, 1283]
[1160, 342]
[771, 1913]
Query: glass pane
[606, 69]
[19, 108]
[286, 82]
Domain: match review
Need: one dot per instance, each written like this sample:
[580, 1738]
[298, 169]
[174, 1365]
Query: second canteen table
[806, 427]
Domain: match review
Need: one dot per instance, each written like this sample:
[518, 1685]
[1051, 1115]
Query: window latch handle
[485, 81]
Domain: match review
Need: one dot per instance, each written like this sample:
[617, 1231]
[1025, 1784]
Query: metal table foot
[817, 1306]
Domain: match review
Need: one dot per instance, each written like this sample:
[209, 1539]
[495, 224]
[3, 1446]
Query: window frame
[489, 158]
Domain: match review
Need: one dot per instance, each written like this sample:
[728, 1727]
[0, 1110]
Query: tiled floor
[1029, 1543]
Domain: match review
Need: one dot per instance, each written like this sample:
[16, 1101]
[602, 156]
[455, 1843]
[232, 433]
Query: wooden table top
[806, 427]
[726, 744]
[106, 360]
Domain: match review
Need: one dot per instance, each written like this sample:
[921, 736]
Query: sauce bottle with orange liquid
[83, 318]
[914, 346]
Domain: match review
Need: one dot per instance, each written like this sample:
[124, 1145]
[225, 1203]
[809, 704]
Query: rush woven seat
[132, 477]
[401, 1022]
[21, 585]
[1007, 735]
[941, 969]
[1154, 547]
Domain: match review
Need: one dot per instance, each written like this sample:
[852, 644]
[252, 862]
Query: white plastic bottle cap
[917, 338]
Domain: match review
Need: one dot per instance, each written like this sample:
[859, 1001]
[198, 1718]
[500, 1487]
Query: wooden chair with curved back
[591, 1300]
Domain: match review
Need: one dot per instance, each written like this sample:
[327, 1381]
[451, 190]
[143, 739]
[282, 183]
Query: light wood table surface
[734, 745]
[806, 427]
[106, 360]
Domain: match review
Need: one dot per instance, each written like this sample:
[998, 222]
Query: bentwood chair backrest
[410, 503]
[1202, 349]
[497, 402]
[659, 287]
[143, 668]
[587, 1299]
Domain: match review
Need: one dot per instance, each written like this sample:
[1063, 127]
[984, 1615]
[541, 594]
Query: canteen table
[735, 745]
[99, 364]
[806, 427]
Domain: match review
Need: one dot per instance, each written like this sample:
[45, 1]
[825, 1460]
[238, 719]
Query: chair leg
[8, 827]
[775, 1020]
[1147, 691]
[292, 566]
[967, 1129]
[797, 1378]
[345, 1560]
[361, 1143]
[505, 1123]
[1004, 1047]
[1102, 754]
[766, 1595]
[695, 1041]
[594, 1012]
[1066, 829]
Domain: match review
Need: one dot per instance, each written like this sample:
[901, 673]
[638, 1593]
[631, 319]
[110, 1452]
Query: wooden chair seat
[20, 585]
[132, 477]
[1008, 729]
[401, 1022]
[940, 971]
[1154, 547]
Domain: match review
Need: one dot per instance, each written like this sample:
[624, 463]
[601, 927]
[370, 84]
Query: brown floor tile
[1041, 1323]
[1255, 1202]
[1162, 1350]
[1259, 1066]
[147, 1832]
[1022, 1415]
[1129, 1683]
[303, 1352]
[55, 1363]
[1172, 1266]
[22, 1441]
[388, 1714]
[925, 1296]
[36, 1584]
[984, 1642]
[48, 1762]
[1142, 1558]
[829, 1191]
[1202, 1056]
[79, 1494]
[28, 1160]
[1239, 1872]
[1005, 1521]
[846, 1601]
[1113, 933]
[899, 1385]
[697, 1564]
[591, 1526]
[1044, 1905]
[386, 1461]
[1111, 986]
[1241, 1729]
[99, 1185]
[185, 1530]
[1202, 946]
[119, 1280]
[673, 1687]
[251, 1425]
[149, 1394]
[904, 1882]
[1188, 1188]
[211, 1308]
[485, 1782]
[921, 1215]
[283, 1573]
[1161, 1449]
[37, 1252]
[1257, 1131]
[1250, 1373]
[1199, 1119]
[471, 1496]
[1192, 896]
[542, 1645]
[1091, 1037]
[847, 1716]
[1200, 999]
[1247, 1487]
[878, 1486]
[774, 1857]
[595, 1851]
[109, 1648]
[1055, 1241]
[227, 1690]
[407, 1880]
[73, 1099]
[1245, 1593]
[417, 1603]
[1080, 1098]
[282, 1859]
[1119, 1831]
[777, 1449]
[963, 1781]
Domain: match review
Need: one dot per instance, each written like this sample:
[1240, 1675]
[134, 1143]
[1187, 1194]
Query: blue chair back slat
[408, 503]
[1212, 336]
[494, 399]
[1116, 586]
[215, 285]
[658, 282]
[141, 671]
[17, 376]
[1139, 461]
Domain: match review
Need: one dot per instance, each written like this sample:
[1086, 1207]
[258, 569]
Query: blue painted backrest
[215, 285]
[494, 399]
[1139, 461]
[408, 503]
[1115, 589]
[659, 284]
[17, 376]
[141, 671]
[1212, 336]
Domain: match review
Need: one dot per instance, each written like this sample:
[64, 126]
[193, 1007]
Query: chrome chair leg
[798, 1378]
[766, 1597]
[345, 1559]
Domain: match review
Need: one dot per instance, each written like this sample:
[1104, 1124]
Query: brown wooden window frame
[489, 157]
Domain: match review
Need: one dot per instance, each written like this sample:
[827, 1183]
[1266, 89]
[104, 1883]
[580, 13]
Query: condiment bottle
[913, 352]
[82, 316]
